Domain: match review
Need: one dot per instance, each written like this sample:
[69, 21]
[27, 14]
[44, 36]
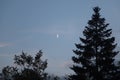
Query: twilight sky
[51, 25]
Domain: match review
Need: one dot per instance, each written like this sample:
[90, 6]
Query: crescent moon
[57, 36]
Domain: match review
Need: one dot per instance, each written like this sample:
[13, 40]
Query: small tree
[27, 67]
[96, 54]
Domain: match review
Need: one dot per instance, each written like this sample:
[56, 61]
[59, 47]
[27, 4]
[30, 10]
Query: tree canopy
[27, 68]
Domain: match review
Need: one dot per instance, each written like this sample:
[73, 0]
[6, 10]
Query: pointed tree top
[96, 9]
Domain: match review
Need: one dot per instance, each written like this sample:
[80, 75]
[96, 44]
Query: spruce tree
[96, 53]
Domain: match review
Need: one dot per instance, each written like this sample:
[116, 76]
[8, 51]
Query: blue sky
[31, 25]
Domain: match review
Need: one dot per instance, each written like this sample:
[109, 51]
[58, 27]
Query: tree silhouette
[9, 72]
[95, 54]
[27, 68]
[53, 77]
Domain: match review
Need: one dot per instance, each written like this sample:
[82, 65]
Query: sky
[53, 26]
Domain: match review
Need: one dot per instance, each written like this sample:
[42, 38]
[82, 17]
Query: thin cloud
[67, 30]
[4, 45]
[6, 55]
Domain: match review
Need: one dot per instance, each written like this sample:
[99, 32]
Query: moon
[57, 35]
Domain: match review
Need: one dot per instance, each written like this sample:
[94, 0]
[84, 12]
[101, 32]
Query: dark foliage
[96, 54]
[28, 68]
[53, 77]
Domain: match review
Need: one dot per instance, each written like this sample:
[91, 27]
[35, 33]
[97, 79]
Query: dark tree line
[27, 68]
[94, 60]
[95, 55]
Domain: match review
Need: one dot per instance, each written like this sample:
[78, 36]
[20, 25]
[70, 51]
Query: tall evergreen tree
[95, 54]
